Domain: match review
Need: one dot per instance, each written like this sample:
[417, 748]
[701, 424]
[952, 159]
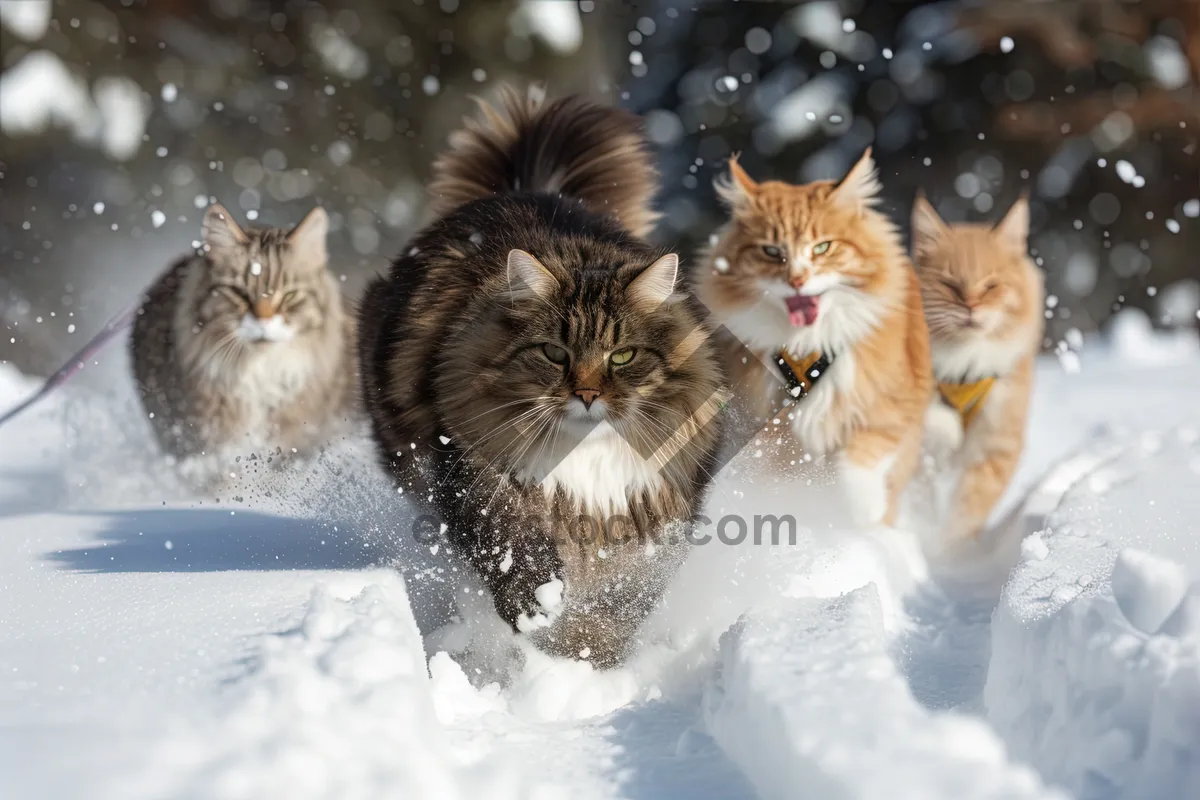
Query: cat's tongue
[802, 309]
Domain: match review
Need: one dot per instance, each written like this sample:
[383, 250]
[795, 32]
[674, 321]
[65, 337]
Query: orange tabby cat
[814, 280]
[983, 302]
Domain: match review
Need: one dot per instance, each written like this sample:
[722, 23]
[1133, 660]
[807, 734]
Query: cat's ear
[308, 238]
[655, 283]
[221, 233]
[1013, 230]
[738, 189]
[927, 225]
[861, 185]
[526, 274]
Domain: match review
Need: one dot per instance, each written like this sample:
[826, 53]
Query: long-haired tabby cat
[246, 345]
[535, 379]
[983, 300]
[815, 281]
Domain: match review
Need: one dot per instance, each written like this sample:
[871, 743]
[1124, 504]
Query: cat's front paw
[532, 600]
[943, 430]
[546, 607]
[867, 492]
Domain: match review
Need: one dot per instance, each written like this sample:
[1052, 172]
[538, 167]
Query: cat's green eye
[771, 251]
[622, 357]
[555, 354]
[821, 248]
[290, 299]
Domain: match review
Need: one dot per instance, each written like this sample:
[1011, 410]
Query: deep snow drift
[154, 645]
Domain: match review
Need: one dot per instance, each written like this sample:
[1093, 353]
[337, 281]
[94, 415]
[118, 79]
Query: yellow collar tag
[803, 373]
[967, 398]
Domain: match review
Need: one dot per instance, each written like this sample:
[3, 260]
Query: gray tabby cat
[248, 346]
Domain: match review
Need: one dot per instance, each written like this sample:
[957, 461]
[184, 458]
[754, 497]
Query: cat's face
[800, 257]
[977, 285]
[567, 347]
[264, 287]
[590, 346]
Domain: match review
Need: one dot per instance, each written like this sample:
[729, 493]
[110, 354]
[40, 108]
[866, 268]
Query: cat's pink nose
[796, 281]
[588, 396]
[264, 308]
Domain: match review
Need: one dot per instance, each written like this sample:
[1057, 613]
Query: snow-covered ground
[153, 645]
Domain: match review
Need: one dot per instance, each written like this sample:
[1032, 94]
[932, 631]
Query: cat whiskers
[539, 435]
[942, 319]
[536, 418]
[541, 421]
[222, 352]
[640, 414]
[503, 427]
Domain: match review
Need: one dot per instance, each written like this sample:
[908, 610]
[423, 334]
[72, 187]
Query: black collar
[802, 374]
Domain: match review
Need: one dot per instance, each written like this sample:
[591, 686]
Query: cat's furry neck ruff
[972, 360]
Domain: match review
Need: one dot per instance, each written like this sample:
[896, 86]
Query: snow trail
[826, 660]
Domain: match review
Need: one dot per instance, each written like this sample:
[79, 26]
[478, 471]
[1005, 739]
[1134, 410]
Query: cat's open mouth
[802, 309]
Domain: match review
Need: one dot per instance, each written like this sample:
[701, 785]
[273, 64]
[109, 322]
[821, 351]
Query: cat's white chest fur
[277, 375]
[599, 472]
[811, 418]
[266, 382]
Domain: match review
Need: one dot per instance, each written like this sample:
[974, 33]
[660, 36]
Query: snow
[124, 108]
[549, 598]
[28, 19]
[154, 644]
[783, 670]
[557, 24]
[1087, 681]
[39, 91]
[339, 706]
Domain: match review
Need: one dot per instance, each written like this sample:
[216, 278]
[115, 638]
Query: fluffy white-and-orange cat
[983, 301]
[817, 284]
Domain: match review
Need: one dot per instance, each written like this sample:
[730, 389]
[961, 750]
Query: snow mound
[339, 707]
[28, 19]
[807, 695]
[1134, 340]
[1095, 667]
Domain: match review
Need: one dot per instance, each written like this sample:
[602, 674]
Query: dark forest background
[120, 119]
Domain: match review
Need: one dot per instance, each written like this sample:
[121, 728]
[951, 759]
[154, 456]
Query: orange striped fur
[983, 300]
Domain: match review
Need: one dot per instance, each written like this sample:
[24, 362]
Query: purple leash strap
[77, 362]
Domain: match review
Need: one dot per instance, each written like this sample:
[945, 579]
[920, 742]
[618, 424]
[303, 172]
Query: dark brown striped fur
[451, 361]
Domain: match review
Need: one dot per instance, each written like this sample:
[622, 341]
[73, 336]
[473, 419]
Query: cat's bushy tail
[570, 146]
